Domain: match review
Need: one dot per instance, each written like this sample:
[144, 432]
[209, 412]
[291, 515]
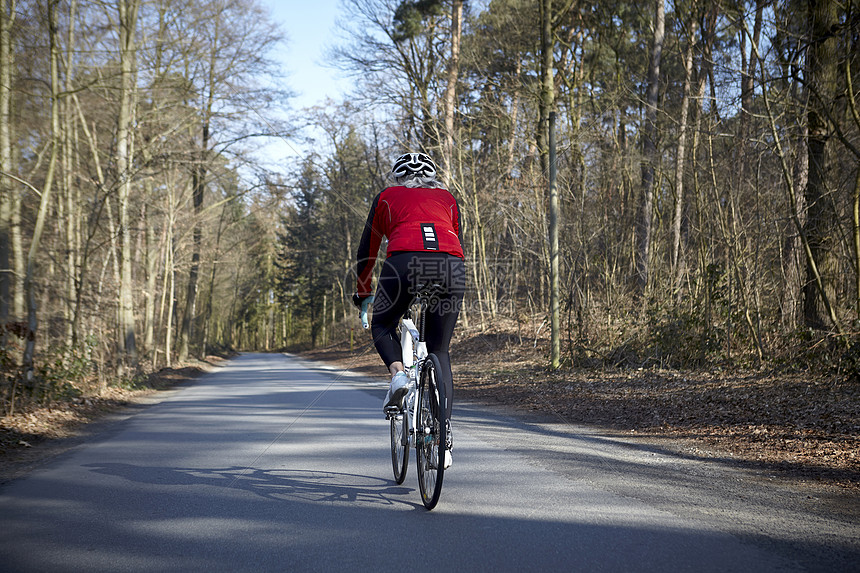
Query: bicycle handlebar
[365, 304]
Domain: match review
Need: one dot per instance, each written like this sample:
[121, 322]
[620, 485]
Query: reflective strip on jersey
[431, 243]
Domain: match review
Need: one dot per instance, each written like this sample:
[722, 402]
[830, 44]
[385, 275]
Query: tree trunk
[7, 62]
[802, 228]
[153, 250]
[792, 302]
[515, 108]
[547, 93]
[748, 66]
[680, 167]
[45, 201]
[100, 203]
[451, 89]
[199, 186]
[855, 211]
[649, 154]
[73, 209]
[554, 310]
[855, 114]
[19, 260]
[207, 313]
[128, 10]
[548, 165]
[170, 274]
[821, 220]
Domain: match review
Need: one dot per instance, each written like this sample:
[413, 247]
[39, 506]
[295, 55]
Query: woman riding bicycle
[421, 220]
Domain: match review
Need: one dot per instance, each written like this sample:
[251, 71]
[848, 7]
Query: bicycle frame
[414, 352]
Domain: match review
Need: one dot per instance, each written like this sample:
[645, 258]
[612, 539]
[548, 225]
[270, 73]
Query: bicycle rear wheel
[399, 447]
[430, 435]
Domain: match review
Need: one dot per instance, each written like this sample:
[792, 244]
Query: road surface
[273, 463]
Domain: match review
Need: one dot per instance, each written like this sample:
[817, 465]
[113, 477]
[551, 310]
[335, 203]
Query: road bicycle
[420, 420]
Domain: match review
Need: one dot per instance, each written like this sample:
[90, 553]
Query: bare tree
[236, 42]
[821, 209]
[128, 10]
[394, 49]
[7, 63]
[45, 199]
[644, 221]
[451, 88]
[681, 158]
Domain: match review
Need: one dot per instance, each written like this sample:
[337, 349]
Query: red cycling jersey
[413, 219]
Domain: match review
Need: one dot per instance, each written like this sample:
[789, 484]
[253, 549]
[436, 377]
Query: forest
[670, 183]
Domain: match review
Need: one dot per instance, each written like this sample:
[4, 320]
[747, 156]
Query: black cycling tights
[401, 273]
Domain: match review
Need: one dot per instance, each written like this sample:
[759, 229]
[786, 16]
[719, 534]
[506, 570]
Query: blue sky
[310, 28]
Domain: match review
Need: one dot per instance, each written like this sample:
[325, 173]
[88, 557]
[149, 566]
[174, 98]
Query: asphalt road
[277, 464]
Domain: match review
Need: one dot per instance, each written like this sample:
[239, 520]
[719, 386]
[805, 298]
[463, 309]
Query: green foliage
[304, 263]
[136, 382]
[321, 227]
[410, 17]
[64, 377]
[807, 349]
[849, 361]
[679, 339]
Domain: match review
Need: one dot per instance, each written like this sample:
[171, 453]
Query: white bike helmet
[414, 165]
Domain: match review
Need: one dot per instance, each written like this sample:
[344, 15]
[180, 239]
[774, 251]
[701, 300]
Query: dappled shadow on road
[186, 518]
[280, 484]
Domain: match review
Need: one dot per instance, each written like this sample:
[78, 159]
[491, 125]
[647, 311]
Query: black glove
[357, 299]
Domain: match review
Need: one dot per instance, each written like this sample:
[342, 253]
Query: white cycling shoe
[396, 390]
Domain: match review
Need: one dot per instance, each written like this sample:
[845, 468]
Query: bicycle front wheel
[399, 447]
[430, 435]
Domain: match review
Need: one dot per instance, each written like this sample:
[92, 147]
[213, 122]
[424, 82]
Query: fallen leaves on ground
[39, 424]
[803, 426]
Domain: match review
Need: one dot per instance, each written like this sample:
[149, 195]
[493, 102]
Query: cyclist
[422, 222]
